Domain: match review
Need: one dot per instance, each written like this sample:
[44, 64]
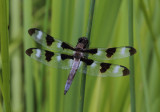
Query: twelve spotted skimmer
[66, 56]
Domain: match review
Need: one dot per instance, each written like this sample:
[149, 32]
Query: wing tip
[132, 51]
[32, 30]
[29, 51]
[125, 71]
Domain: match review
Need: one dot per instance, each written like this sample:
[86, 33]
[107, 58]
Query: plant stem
[88, 34]
[130, 27]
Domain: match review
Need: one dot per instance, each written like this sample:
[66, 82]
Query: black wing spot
[49, 55]
[110, 52]
[32, 30]
[104, 67]
[66, 46]
[125, 71]
[92, 51]
[132, 51]
[49, 40]
[64, 56]
[29, 51]
[87, 61]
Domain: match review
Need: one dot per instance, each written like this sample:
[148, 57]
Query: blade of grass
[5, 53]
[57, 30]
[151, 18]
[42, 67]
[1, 86]
[1, 108]
[47, 7]
[27, 15]
[130, 27]
[16, 81]
[88, 34]
[144, 78]
[1, 89]
[153, 36]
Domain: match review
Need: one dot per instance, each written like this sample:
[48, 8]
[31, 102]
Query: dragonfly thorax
[82, 42]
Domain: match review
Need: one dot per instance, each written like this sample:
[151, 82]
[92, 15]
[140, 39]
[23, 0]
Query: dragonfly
[67, 57]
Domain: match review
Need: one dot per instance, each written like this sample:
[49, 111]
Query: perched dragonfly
[66, 56]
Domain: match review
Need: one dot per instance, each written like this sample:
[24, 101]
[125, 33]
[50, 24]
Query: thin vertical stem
[130, 27]
[88, 34]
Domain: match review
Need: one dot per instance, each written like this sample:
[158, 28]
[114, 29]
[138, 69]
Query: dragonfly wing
[96, 68]
[49, 41]
[49, 58]
[101, 54]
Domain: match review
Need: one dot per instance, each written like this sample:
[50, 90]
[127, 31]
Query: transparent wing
[96, 68]
[49, 41]
[101, 54]
[49, 58]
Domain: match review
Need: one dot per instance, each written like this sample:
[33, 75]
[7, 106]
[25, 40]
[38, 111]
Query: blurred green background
[35, 87]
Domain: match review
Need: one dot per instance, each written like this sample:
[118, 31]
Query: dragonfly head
[83, 40]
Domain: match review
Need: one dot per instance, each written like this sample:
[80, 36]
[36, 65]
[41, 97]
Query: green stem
[88, 34]
[4, 15]
[130, 27]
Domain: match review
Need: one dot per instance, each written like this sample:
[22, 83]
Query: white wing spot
[39, 36]
[116, 69]
[123, 50]
[93, 65]
[59, 58]
[59, 45]
[99, 52]
[38, 53]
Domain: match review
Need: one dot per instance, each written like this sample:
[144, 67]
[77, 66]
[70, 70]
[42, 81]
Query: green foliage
[35, 87]
[4, 39]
